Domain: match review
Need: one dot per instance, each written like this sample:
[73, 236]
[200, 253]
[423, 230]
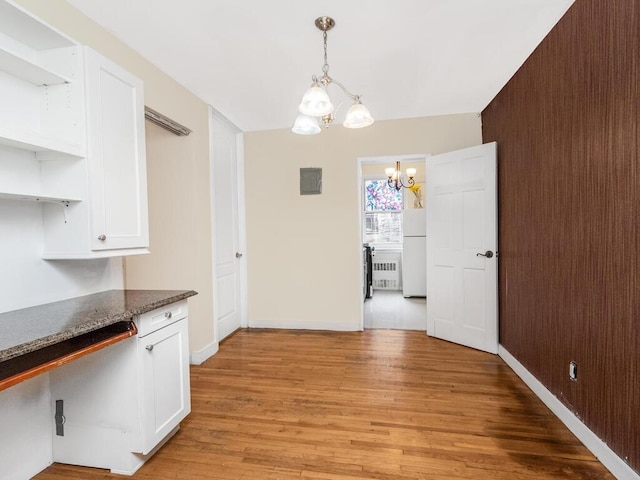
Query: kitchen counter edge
[148, 300]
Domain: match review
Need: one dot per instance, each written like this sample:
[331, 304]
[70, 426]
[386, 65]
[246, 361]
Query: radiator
[386, 274]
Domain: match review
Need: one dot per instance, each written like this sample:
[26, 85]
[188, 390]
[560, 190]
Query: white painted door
[462, 262]
[228, 255]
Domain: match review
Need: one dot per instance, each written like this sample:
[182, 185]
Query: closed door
[462, 259]
[229, 256]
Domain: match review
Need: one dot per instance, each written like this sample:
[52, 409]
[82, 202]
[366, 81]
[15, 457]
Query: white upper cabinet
[112, 220]
[117, 166]
[71, 138]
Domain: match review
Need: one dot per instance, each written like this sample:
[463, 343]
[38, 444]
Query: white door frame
[242, 228]
[385, 160]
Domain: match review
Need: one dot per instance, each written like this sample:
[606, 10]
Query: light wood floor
[383, 404]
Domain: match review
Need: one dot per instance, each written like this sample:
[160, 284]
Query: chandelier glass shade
[306, 125]
[357, 116]
[316, 104]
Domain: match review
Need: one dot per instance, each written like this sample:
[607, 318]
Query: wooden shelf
[26, 197]
[27, 70]
[27, 366]
[34, 142]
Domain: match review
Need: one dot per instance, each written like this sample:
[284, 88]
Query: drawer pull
[102, 237]
[168, 314]
[149, 347]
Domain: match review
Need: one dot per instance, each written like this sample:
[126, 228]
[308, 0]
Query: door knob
[102, 237]
[238, 255]
[487, 254]
[149, 347]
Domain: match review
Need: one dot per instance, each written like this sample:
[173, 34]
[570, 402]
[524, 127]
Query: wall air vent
[165, 122]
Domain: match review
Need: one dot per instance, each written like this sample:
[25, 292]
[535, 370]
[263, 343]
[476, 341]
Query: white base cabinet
[165, 382]
[123, 402]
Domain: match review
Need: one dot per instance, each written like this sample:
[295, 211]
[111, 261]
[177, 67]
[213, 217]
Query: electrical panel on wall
[310, 181]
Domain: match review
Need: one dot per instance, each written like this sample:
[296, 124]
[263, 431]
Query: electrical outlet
[573, 371]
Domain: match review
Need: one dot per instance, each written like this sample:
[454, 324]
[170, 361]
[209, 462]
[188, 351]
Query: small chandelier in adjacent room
[394, 177]
[316, 105]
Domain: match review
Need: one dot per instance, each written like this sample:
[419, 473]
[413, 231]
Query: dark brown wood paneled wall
[567, 131]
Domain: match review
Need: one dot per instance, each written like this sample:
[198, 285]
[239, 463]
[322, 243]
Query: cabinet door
[166, 398]
[117, 164]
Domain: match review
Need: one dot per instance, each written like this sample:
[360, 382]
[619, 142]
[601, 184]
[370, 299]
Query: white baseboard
[199, 356]
[616, 465]
[297, 325]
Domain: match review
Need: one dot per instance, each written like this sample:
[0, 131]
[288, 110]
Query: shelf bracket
[64, 204]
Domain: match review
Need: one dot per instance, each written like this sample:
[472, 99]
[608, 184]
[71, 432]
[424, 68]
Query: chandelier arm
[344, 89]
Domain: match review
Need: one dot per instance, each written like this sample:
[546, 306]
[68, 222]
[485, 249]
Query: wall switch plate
[573, 371]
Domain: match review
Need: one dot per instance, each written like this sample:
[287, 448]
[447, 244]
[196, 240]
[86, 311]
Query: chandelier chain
[325, 67]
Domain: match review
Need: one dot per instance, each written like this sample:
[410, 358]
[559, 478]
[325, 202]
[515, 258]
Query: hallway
[389, 309]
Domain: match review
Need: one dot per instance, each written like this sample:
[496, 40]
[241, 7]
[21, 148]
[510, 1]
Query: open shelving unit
[27, 70]
[32, 197]
[42, 82]
[72, 140]
[35, 142]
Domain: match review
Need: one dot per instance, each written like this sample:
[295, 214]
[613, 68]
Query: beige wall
[178, 175]
[303, 252]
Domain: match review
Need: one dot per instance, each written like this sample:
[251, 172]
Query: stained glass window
[383, 213]
[379, 197]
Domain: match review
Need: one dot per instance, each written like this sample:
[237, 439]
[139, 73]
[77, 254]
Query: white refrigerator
[414, 252]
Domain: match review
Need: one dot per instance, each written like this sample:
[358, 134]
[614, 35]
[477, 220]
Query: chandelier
[316, 105]
[394, 177]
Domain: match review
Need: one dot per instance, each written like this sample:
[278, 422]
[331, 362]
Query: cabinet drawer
[161, 317]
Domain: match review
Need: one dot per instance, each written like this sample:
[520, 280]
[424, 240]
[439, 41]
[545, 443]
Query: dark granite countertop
[30, 329]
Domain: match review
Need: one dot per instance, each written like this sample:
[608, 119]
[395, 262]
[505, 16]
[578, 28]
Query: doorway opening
[393, 232]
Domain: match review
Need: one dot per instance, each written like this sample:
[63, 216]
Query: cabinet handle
[149, 347]
[102, 237]
[168, 314]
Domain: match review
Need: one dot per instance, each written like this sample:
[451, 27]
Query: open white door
[462, 264]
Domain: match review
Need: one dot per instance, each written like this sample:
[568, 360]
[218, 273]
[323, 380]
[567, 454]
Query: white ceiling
[253, 59]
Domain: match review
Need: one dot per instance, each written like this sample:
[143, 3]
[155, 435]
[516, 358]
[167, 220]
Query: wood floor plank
[379, 404]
